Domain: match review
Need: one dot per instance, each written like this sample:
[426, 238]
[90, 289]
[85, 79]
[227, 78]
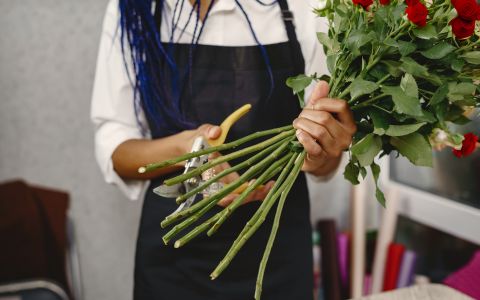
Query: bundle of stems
[279, 157]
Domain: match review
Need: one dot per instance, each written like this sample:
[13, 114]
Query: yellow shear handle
[228, 123]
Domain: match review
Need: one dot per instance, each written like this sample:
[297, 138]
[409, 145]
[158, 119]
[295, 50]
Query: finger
[263, 192]
[210, 131]
[339, 107]
[318, 134]
[227, 200]
[214, 132]
[320, 90]
[341, 136]
[309, 144]
[325, 119]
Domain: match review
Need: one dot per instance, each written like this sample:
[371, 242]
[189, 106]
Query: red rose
[384, 2]
[461, 28]
[469, 145]
[467, 9]
[417, 13]
[364, 3]
[413, 2]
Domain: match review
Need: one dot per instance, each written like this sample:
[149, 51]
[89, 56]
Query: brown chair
[34, 240]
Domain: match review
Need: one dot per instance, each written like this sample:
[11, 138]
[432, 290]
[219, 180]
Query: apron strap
[288, 20]
[158, 13]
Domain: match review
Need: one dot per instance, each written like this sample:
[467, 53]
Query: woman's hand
[208, 131]
[258, 194]
[325, 128]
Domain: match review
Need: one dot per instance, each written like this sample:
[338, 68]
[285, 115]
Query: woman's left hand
[325, 128]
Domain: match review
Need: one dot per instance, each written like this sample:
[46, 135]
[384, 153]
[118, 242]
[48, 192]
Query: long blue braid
[148, 54]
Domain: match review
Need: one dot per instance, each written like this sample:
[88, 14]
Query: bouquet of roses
[407, 69]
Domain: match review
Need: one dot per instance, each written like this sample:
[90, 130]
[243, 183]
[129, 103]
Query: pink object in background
[342, 246]
[467, 279]
[367, 285]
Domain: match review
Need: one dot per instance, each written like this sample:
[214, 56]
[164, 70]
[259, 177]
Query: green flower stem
[196, 231]
[368, 102]
[237, 245]
[249, 162]
[202, 227]
[274, 168]
[233, 144]
[222, 159]
[187, 222]
[273, 234]
[201, 207]
[212, 200]
[468, 46]
[406, 23]
[276, 186]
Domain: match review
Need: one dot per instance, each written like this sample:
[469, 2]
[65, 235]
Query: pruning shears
[201, 143]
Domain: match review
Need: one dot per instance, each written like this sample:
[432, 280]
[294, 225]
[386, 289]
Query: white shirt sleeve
[112, 107]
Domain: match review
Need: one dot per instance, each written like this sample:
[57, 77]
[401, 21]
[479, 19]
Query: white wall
[47, 59]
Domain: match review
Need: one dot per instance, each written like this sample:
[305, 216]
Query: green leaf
[380, 123]
[361, 87]
[414, 147]
[376, 175]
[426, 32]
[401, 130]
[460, 91]
[427, 117]
[411, 66]
[295, 146]
[404, 104]
[326, 41]
[390, 42]
[405, 48]
[438, 51]
[363, 172]
[351, 173]
[461, 120]
[457, 65]
[367, 148]
[439, 95]
[472, 57]
[340, 22]
[331, 62]
[356, 40]
[393, 67]
[409, 85]
[298, 85]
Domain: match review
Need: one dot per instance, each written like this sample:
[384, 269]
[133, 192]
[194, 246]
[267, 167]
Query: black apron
[223, 79]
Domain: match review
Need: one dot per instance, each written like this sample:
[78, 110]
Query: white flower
[440, 139]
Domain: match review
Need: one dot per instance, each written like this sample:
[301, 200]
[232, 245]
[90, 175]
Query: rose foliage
[408, 70]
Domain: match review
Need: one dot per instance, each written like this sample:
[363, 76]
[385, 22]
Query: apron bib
[223, 79]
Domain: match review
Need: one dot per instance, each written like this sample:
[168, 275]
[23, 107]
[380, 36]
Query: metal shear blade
[190, 184]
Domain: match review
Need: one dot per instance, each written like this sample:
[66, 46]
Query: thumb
[210, 131]
[320, 91]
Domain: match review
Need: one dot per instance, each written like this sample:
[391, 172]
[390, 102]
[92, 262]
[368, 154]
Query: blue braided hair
[138, 29]
[161, 102]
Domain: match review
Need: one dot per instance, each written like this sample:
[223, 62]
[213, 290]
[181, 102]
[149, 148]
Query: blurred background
[48, 53]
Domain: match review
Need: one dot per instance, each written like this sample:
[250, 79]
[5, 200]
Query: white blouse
[112, 109]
